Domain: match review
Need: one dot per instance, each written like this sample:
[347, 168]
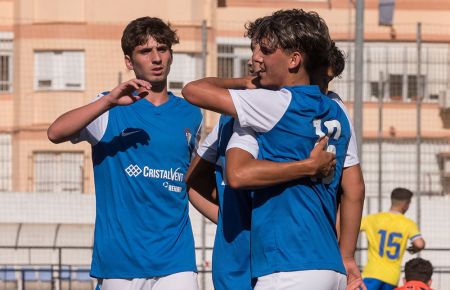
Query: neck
[297, 79]
[158, 94]
[396, 210]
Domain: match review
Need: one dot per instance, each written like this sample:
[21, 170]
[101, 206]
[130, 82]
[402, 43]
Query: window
[412, 85]
[396, 86]
[5, 162]
[185, 67]
[6, 64]
[222, 3]
[58, 172]
[225, 67]
[59, 70]
[374, 90]
[232, 60]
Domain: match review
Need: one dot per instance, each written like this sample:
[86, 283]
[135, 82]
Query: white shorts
[303, 280]
[177, 281]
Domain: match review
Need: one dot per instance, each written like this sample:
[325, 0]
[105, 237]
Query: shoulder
[184, 105]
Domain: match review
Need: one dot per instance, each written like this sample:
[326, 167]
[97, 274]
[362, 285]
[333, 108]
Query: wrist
[107, 103]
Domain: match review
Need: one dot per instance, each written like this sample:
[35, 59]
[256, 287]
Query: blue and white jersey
[231, 253]
[293, 224]
[140, 154]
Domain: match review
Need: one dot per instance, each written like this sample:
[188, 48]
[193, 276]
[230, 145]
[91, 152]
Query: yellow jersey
[387, 234]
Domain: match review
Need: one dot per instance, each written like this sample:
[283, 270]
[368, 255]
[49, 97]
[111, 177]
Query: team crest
[188, 134]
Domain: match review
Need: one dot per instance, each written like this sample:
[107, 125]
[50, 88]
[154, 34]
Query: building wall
[95, 27]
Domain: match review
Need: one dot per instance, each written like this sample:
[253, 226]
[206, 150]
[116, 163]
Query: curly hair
[293, 30]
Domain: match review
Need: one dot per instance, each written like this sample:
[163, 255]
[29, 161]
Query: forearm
[245, 172]
[212, 94]
[205, 206]
[72, 122]
[352, 202]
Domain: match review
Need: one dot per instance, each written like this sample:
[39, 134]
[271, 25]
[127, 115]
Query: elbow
[187, 93]
[53, 135]
[419, 244]
[237, 179]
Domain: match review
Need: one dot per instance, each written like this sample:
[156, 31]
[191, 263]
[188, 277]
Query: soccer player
[418, 274]
[387, 234]
[142, 137]
[231, 253]
[287, 122]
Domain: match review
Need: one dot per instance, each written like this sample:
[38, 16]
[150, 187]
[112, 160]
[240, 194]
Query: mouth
[157, 70]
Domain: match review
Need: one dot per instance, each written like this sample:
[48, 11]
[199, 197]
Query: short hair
[293, 30]
[401, 194]
[141, 29]
[418, 269]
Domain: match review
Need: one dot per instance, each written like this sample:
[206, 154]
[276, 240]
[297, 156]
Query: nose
[156, 57]
[257, 55]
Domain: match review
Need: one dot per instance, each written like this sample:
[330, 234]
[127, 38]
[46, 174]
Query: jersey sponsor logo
[171, 187]
[129, 131]
[173, 174]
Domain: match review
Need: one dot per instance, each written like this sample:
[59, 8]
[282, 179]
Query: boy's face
[271, 66]
[150, 61]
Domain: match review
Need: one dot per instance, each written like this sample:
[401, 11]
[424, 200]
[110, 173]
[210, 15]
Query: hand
[252, 82]
[123, 94]
[411, 250]
[354, 279]
[323, 161]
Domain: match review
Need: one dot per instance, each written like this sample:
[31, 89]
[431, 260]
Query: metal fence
[42, 87]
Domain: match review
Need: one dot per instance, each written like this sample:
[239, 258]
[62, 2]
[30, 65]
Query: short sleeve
[351, 157]
[414, 232]
[260, 109]
[208, 148]
[245, 139]
[94, 132]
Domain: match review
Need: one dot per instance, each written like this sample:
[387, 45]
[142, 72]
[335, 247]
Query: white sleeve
[93, 132]
[208, 149]
[351, 158]
[244, 138]
[260, 109]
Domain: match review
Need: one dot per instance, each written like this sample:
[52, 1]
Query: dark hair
[293, 30]
[401, 194]
[139, 30]
[336, 60]
[418, 269]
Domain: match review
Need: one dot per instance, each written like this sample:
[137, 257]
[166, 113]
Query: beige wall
[96, 27]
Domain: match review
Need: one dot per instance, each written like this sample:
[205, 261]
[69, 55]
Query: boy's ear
[296, 60]
[128, 62]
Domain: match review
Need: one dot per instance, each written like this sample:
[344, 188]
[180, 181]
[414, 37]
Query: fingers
[323, 142]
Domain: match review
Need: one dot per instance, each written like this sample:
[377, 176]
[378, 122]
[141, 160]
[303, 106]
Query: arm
[244, 171]
[417, 246]
[201, 184]
[352, 202]
[69, 125]
[212, 93]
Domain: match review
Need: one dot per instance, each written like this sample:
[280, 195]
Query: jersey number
[392, 247]
[334, 131]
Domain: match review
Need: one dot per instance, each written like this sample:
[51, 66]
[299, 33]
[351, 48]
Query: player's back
[387, 234]
[293, 224]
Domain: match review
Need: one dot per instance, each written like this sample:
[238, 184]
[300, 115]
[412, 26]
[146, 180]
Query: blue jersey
[231, 254]
[142, 226]
[293, 224]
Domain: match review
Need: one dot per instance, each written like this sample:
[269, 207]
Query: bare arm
[352, 202]
[244, 171]
[201, 183]
[212, 93]
[71, 123]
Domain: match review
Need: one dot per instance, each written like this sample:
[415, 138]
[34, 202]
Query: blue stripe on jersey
[142, 224]
[293, 224]
[231, 255]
